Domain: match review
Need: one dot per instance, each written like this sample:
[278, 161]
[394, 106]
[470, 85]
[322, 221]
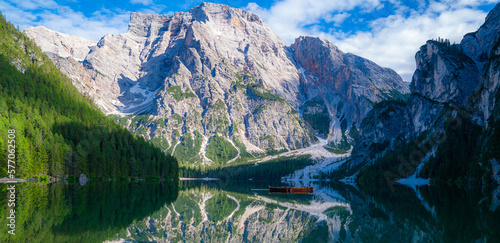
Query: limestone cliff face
[217, 71]
[444, 73]
[444, 80]
[483, 46]
[67, 52]
[456, 81]
[346, 84]
[62, 44]
[380, 129]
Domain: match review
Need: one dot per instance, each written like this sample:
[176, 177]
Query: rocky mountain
[442, 83]
[454, 88]
[215, 84]
[342, 86]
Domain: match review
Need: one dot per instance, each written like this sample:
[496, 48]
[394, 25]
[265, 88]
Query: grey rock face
[480, 44]
[444, 80]
[62, 44]
[484, 47]
[380, 129]
[220, 71]
[444, 73]
[347, 84]
[450, 81]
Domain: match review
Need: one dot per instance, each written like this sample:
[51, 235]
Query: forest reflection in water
[197, 211]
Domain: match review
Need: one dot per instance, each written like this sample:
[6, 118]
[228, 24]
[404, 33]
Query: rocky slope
[483, 46]
[218, 75]
[453, 83]
[343, 86]
[443, 81]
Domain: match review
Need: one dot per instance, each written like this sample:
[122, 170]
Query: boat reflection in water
[292, 190]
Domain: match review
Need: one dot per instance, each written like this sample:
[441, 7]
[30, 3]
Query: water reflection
[93, 213]
[231, 212]
[208, 212]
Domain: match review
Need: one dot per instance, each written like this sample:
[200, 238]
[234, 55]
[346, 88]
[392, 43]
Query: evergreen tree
[58, 130]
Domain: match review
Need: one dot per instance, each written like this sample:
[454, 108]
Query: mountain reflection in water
[197, 211]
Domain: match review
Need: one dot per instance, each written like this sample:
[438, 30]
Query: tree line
[58, 131]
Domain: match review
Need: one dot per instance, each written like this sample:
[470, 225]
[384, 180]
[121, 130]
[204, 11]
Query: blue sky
[388, 32]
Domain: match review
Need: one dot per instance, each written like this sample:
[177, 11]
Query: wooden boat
[287, 189]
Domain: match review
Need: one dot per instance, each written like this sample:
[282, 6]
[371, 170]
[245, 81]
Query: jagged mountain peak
[63, 45]
[493, 16]
[142, 24]
[312, 40]
[326, 51]
[444, 73]
[347, 85]
[219, 75]
[479, 44]
[209, 11]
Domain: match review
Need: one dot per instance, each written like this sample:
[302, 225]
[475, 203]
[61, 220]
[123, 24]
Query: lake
[229, 211]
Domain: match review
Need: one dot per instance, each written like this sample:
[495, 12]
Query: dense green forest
[220, 150]
[456, 160]
[94, 213]
[461, 159]
[392, 166]
[58, 131]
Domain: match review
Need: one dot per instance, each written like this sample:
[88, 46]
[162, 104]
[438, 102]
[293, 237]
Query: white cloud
[63, 19]
[397, 39]
[143, 2]
[391, 41]
[17, 16]
[337, 19]
[465, 3]
[35, 4]
[288, 18]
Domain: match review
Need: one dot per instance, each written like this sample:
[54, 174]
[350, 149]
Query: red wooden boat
[287, 189]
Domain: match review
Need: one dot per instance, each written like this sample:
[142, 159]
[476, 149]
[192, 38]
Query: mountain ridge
[450, 122]
[218, 71]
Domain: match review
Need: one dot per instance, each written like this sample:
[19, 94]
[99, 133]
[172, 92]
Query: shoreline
[198, 179]
[6, 180]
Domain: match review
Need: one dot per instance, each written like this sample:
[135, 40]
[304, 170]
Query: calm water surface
[199, 211]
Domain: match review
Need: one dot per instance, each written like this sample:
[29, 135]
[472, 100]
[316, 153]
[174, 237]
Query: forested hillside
[58, 131]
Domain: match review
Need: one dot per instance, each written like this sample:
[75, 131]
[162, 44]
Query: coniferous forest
[58, 131]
